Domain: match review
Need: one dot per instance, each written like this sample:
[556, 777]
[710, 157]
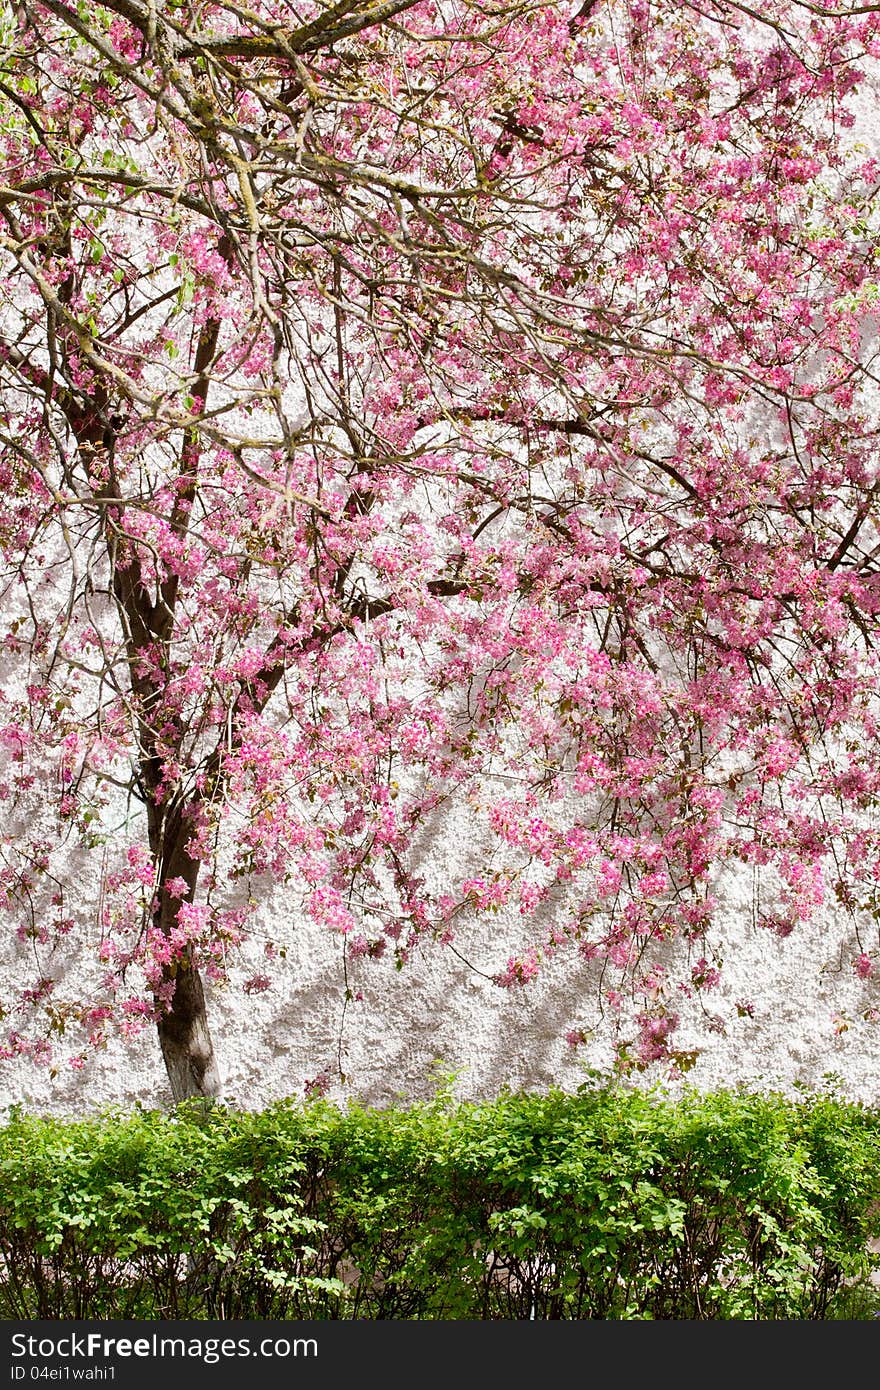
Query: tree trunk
[185, 1038]
[184, 1035]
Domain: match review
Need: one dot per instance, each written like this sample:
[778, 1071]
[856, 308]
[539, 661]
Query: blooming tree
[409, 403]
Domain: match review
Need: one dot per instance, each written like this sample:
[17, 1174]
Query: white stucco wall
[808, 1020]
[439, 1012]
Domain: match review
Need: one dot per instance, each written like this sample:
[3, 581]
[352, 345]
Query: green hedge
[611, 1203]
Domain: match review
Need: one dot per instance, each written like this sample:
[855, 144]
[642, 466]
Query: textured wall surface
[803, 1013]
[808, 1022]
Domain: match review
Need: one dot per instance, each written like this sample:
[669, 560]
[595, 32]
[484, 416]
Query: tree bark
[185, 1038]
[184, 1035]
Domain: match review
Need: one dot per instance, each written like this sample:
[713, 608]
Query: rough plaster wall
[808, 1021]
[440, 1011]
[808, 1006]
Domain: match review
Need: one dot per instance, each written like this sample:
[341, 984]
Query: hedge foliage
[610, 1203]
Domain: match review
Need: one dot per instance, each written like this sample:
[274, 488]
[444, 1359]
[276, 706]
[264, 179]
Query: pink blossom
[257, 984]
[467, 501]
